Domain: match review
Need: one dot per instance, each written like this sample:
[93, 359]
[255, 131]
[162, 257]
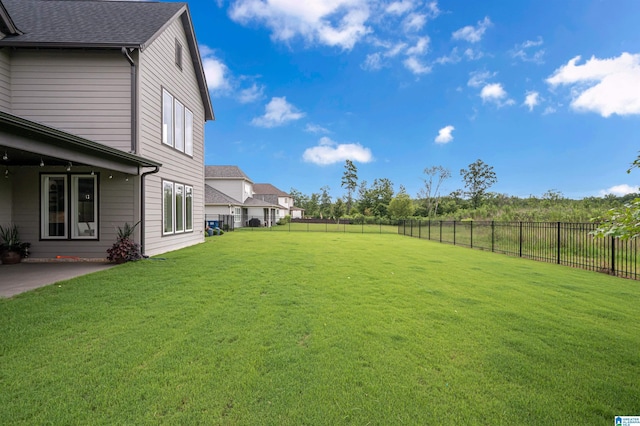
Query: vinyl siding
[231, 188]
[85, 93]
[157, 70]
[115, 208]
[5, 80]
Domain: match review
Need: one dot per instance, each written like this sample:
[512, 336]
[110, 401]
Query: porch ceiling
[27, 143]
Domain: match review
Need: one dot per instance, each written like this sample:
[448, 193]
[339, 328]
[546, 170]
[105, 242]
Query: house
[229, 191]
[102, 113]
[268, 192]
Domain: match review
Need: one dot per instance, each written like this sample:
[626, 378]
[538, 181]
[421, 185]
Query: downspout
[134, 102]
[142, 227]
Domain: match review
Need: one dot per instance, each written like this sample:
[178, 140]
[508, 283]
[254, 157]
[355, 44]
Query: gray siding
[6, 201]
[85, 93]
[157, 69]
[115, 204]
[231, 187]
[5, 80]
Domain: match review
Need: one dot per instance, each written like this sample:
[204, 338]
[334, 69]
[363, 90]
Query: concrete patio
[25, 276]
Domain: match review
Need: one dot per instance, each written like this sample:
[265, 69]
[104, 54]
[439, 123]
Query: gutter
[134, 101]
[142, 210]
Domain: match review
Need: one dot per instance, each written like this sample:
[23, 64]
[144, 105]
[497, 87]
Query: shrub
[125, 249]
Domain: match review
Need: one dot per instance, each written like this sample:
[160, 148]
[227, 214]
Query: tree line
[475, 201]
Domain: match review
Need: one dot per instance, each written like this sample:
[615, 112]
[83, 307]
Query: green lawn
[323, 328]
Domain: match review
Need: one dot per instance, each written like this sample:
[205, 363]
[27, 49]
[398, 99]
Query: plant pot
[10, 258]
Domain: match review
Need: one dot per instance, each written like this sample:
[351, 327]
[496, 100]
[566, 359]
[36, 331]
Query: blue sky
[546, 92]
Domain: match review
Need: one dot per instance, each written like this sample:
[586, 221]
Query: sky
[545, 92]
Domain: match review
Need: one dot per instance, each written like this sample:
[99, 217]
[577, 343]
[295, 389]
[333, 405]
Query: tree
[374, 201]
[622, 222]
[325, 202]
[350, 182]
[477, 179]
[338, 209]
[431, 191]
[401, 206]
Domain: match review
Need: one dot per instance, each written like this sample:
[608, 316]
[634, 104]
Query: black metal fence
[569, 244]
[222, 221]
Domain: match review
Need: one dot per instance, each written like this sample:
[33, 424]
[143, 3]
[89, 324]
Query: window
[178, 54]
[177, 208]
[167, 118]
[69, 207]
[177, 124]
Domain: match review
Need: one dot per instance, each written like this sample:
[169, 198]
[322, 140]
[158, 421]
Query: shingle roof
[88, 22]
[222, 172]
[213, 196]
[268, 189]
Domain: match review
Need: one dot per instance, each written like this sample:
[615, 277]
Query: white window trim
[185, 220]
[179, 138]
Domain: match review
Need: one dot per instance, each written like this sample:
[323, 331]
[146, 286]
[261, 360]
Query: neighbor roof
[268, 189]
[225, 172]
[98, 24]
[213, 196]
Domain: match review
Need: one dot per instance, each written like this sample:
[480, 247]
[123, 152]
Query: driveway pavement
[25, 276]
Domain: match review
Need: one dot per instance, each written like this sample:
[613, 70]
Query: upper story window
[177, 124]
[178, 54]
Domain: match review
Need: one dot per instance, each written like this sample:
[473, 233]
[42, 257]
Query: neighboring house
[229, 191]
[268, 192]
[102, 113]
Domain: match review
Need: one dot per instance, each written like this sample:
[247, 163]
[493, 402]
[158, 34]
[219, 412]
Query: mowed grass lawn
[283, 328]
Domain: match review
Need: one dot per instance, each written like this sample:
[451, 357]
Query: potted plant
[125, 249]
[12, 250]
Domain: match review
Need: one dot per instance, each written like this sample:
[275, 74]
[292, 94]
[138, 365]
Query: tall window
[177, 124]
[69, 207]
[177, 208]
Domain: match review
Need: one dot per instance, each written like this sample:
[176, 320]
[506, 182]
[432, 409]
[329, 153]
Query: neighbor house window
[177, 124]
[177, 207]
[69, 207]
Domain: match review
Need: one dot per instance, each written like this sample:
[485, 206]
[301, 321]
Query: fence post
[429, 230]
[558, 248]
[411, 222]
[613, 256]
[471, 230]
[520, 238]
[493, 235]
[440, 231]
[454, 232]
[419, 230]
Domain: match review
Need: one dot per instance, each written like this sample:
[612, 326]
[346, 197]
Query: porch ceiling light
[69, 166]
[41, 163]
[5, 157]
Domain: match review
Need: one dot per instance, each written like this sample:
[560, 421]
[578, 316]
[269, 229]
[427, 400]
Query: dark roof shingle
[87, 22]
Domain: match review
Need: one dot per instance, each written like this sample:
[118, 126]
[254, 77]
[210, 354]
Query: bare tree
[435, 176]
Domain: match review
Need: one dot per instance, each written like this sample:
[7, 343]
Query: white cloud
[524, 51]
[472, 34]
[315, 128]
[495, 93]
[620, 190]
[479, 78]
[473, 55]
[531, 100]
[444, 135]
[251, 94]
[605, 86]
[415, 66]
[421, 47]
[372, 62]
[415, 22]
[400, 7]
[452, 58]
[338, 23]
[277, 112]
[329, 152]
[216, 72]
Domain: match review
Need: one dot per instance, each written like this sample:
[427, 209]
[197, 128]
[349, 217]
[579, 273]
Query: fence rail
[569, 244]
